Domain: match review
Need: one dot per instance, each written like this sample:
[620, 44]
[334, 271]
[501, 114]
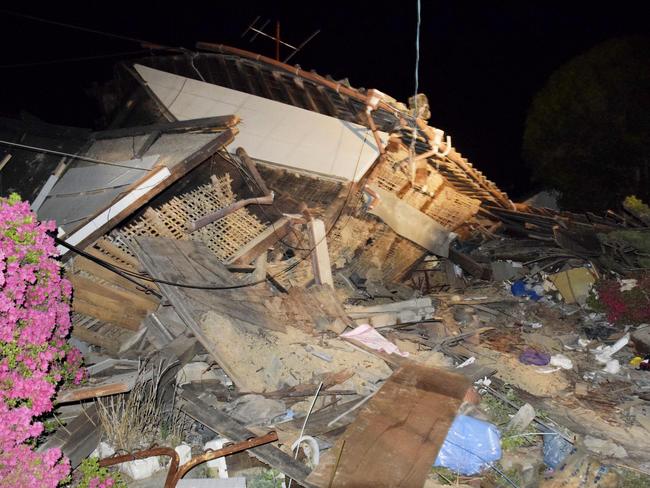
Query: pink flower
[34, 323]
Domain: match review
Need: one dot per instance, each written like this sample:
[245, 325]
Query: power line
[73, 60]
[74, 156]
[417, 54]
[142, 42]
[417, 87]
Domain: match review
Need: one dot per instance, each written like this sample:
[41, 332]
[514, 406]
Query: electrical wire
[248, 179]
[417, 53]
[151, 45]
[73, 60]
[123, 271]
[489, 464]
[69, 155]
[415, 93]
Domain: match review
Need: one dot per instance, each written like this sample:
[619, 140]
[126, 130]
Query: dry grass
[136, 420]
[132, 420]
[174, 427]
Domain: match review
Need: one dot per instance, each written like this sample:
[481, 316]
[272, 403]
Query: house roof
[108, 174]
[254, 74]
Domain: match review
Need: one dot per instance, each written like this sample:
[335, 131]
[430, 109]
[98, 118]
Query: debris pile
[267, 260]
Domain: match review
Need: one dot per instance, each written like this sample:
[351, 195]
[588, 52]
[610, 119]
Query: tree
[587, 133]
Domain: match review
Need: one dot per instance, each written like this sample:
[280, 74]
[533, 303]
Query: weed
[632, 479]
[269, 478]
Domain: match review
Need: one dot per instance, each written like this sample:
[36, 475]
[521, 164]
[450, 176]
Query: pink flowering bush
[91, 475]
[35, 357]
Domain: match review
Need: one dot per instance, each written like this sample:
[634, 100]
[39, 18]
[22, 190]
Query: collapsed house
[253, 214]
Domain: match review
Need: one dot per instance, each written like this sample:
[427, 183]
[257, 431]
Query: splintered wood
[106, 296]
[440, 201]
[223, 237]
[396, 437]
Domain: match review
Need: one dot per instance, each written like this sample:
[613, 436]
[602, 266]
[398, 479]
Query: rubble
[349, 279]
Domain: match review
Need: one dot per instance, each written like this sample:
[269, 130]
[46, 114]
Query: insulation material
[271, 131]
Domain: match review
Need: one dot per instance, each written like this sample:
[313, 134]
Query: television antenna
[259, 30]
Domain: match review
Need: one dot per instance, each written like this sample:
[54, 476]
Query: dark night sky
[481, 62]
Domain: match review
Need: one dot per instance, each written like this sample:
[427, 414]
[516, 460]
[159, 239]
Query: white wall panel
[271, 131]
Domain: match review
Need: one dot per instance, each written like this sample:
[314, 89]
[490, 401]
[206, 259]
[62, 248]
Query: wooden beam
[224, 425]
[91, 337]
[252, 169]
[320, 258]
[472, 267]
[221, 213]
[261, 243]
[109, 304]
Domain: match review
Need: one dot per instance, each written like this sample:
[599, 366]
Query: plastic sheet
[556, 449]
[367, 335]
[471, 445]
[534, 357]
[520, 289]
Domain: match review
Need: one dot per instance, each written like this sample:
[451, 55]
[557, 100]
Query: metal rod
[225, 451]
[249, 27]
[147, 453]
[295, 50]
[176, 472]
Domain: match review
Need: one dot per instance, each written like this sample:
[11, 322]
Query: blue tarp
[470, 446]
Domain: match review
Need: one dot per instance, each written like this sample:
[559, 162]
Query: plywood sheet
[396, 437]
[88, 177]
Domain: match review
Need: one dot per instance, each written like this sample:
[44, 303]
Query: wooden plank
[199, 253]
[87, 288]
[121, 383]
[92, 268]
[396, 437]
[91, 337]
[147, 250]
[321, 422]
[276, 231]
[78, 438]
[221, 424]
[320, 258]
[110, 304]
[242, 309]
[113, 314]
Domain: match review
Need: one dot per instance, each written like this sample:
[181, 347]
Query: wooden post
[320, 258]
